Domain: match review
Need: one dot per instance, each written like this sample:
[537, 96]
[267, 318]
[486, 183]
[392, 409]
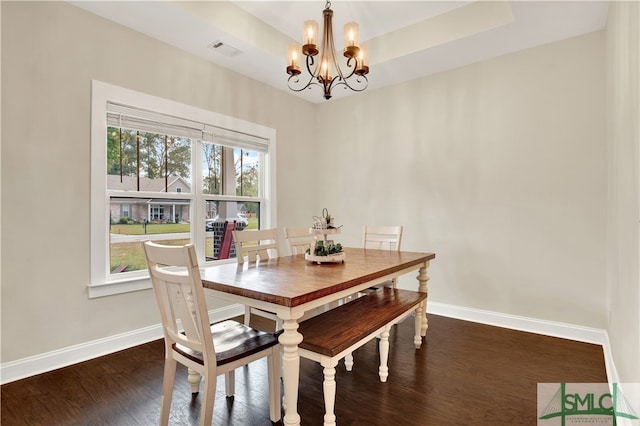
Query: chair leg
[273, 372]
[383, 371]
[230, 383]
[208, 398]
[247, 314]
[348, 361]
[167, 389]
[193, 377]
[329, 390]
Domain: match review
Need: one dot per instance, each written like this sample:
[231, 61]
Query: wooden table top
[291, 280]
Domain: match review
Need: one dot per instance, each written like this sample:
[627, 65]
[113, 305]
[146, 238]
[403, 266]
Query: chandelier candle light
[326, 72]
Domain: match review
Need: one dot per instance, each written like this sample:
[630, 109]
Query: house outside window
[171, 173]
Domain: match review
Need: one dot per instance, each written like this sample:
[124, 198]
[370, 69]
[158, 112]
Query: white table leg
[421, 312]
[289, 340]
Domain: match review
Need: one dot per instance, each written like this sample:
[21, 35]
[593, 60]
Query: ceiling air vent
[225, 49]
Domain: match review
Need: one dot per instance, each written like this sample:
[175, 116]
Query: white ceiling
[407, 39]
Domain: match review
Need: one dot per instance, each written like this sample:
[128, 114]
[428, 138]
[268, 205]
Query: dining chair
[257, 245]
[299, 240]
[206, 350]
[383, 238]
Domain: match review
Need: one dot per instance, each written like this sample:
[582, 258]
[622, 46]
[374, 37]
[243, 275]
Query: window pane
[164, 221]
[122, 159]
[141, 161]
[247, 166]
[211, 168]
[243, 214]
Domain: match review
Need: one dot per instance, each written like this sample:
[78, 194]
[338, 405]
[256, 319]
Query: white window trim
[102, 283]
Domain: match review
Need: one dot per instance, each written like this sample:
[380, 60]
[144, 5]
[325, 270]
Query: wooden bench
[334, 334]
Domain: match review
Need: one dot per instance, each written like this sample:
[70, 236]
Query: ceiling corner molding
[459, 23]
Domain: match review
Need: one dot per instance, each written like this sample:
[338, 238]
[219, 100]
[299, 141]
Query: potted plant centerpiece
[325, 251]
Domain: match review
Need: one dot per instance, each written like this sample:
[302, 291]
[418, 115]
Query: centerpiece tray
[331, 258]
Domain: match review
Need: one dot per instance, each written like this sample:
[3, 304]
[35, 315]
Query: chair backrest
[382, 237]
[177, 285]
[299, 240]
[256, 245]
[227, 239]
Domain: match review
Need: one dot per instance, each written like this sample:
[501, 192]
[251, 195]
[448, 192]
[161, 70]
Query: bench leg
[383, 345]
[329, 390]
[348, 361]
[417, 338]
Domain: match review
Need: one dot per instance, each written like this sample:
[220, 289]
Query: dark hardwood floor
[464, 374]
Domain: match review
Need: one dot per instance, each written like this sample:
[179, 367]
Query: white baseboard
[532, 325]
[30, 366]
[49, 361]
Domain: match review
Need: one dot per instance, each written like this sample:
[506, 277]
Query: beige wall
[623, 137]
[497, 167]
[50, 53]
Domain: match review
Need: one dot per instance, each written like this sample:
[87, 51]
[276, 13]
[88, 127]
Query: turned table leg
[289, 340]
[421, 312]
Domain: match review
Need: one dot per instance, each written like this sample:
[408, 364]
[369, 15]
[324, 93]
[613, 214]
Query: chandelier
[326, 72]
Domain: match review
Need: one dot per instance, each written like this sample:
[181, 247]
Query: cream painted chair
[383, 238]
[206, 350]
[299, 240]
[256, 246]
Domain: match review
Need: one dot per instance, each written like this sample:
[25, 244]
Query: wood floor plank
[465, 374]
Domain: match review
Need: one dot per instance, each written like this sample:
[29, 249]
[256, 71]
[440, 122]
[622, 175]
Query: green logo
[587, 403]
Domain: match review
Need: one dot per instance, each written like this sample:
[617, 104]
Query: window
[173, 173]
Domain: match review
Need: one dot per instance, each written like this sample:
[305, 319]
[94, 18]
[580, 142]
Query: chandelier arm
[353, 70]
[293, 80]
[345, 82]
[297, 80]
[310, 62]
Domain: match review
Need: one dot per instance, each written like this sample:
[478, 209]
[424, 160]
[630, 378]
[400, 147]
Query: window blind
[127, 117]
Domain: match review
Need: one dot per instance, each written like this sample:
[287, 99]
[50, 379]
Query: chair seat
[232, 341]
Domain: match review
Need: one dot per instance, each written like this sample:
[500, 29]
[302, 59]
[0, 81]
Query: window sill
[118, 287]
[141, 281]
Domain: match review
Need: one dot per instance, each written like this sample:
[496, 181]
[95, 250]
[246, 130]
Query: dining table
[291, 286]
